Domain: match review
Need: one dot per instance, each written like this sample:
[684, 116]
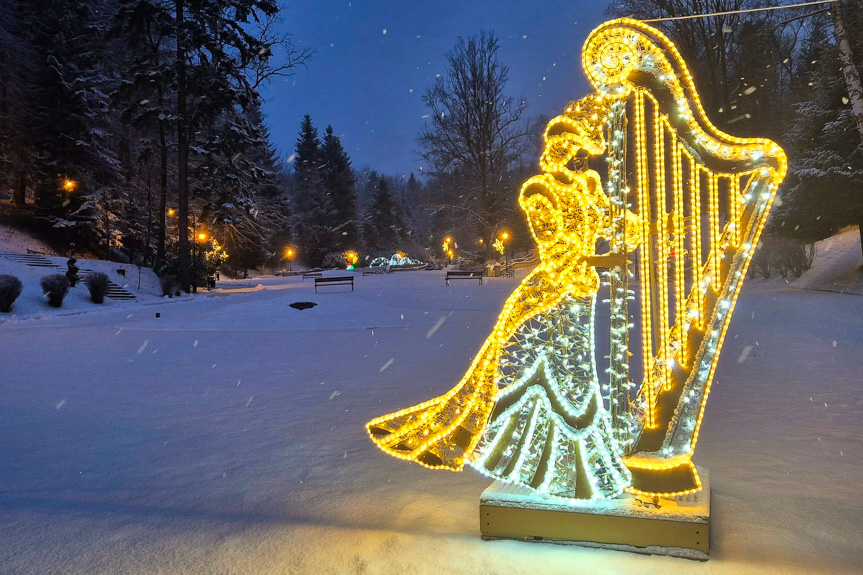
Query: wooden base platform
[679, 527]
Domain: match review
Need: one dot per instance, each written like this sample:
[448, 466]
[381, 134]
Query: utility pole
[852, 79]
[182, 153]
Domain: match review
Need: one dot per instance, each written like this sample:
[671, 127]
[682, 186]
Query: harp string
[672, 290]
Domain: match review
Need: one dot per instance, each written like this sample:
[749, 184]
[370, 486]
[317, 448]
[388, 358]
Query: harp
[702, 198]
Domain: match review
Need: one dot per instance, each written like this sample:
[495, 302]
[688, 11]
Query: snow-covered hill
[838, 265]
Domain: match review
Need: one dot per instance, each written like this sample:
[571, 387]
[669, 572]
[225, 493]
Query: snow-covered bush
[97, 283]
[786, 256]
[55, 287]
[170, 285]
[10, 289]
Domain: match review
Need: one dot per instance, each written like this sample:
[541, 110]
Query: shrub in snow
[170, 285]
[10, 289]
[97, 283]
[787, 256]
[55, 288]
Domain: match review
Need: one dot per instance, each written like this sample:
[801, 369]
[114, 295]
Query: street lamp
[289, 255]
[504, 237]
[200, 237]
[447, 250]
[69, 185]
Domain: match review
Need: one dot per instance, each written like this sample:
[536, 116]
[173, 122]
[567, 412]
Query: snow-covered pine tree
[75, 159]
[314, 206]
[146, 97]
[384, 229]
[340, 182]
[821, 193]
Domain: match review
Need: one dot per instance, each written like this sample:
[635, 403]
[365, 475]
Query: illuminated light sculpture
[685, 202]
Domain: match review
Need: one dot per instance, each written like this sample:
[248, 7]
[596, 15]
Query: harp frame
[638, 70]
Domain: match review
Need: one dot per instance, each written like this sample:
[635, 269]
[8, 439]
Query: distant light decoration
[69, 185]
[202, 236]
[172, 212]
[683, 199]
[498, 246]
[351, 257]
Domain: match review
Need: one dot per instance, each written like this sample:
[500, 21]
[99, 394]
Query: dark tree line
[339, 210]
[126, 125]
[777, 74]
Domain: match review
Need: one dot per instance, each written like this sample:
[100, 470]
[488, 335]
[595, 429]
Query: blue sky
[374, 60]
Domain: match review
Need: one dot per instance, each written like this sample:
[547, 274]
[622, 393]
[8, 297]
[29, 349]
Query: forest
[133, 128]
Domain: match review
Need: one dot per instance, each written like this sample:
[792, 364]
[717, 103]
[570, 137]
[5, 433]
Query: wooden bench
[336, 280]
[507, 272]
[312, 275]
[463, 275]
[373, 272]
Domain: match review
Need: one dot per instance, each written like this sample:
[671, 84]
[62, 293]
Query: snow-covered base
[226, 436]
[694, 507]
[530, 516]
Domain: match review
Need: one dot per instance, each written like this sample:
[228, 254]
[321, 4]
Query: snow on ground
[14, 240]
[226, 436]
[838, 265]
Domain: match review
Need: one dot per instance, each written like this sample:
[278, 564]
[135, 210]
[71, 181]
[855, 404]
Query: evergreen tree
[340, 182]
[75, 159]
[385, 229]
[821, 192]
[314, 206]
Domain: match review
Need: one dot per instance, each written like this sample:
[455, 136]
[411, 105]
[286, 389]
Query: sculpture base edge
[677, 527]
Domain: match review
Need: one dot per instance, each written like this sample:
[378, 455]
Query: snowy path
[227, 437]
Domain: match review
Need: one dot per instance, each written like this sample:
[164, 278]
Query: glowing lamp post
[504, 237]
[201, 237]
[289, 255]
[447, 249]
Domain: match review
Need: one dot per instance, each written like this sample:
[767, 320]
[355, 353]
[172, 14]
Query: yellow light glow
[171, 212]
[289, 253]
[701, 198]
[202, 236]
[69, 185]
[351, 257]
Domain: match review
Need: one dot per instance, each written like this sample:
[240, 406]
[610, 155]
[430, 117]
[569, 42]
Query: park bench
[312, 275]
[373, 271]
[337, 280]
[463, 275]
[507, 272]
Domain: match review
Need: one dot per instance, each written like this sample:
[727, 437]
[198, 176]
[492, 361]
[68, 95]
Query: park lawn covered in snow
[226, 436]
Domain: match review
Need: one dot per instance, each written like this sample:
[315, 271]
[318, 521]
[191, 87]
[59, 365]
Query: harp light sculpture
[682, 200]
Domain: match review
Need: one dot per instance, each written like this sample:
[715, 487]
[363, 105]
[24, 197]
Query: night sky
[374, 60]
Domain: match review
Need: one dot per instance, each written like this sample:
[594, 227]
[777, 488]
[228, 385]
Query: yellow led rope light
[643, 186]
[567, 210]
[661, 266]
[679, 256]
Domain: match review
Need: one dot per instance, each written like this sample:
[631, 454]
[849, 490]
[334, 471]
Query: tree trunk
[163, 195]
[852, 80]
[19, 192]
[182, 155]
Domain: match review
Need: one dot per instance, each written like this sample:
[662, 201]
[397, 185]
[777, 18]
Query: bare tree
[475, 135]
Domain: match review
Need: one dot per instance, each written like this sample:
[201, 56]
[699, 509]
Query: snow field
[227, 436]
